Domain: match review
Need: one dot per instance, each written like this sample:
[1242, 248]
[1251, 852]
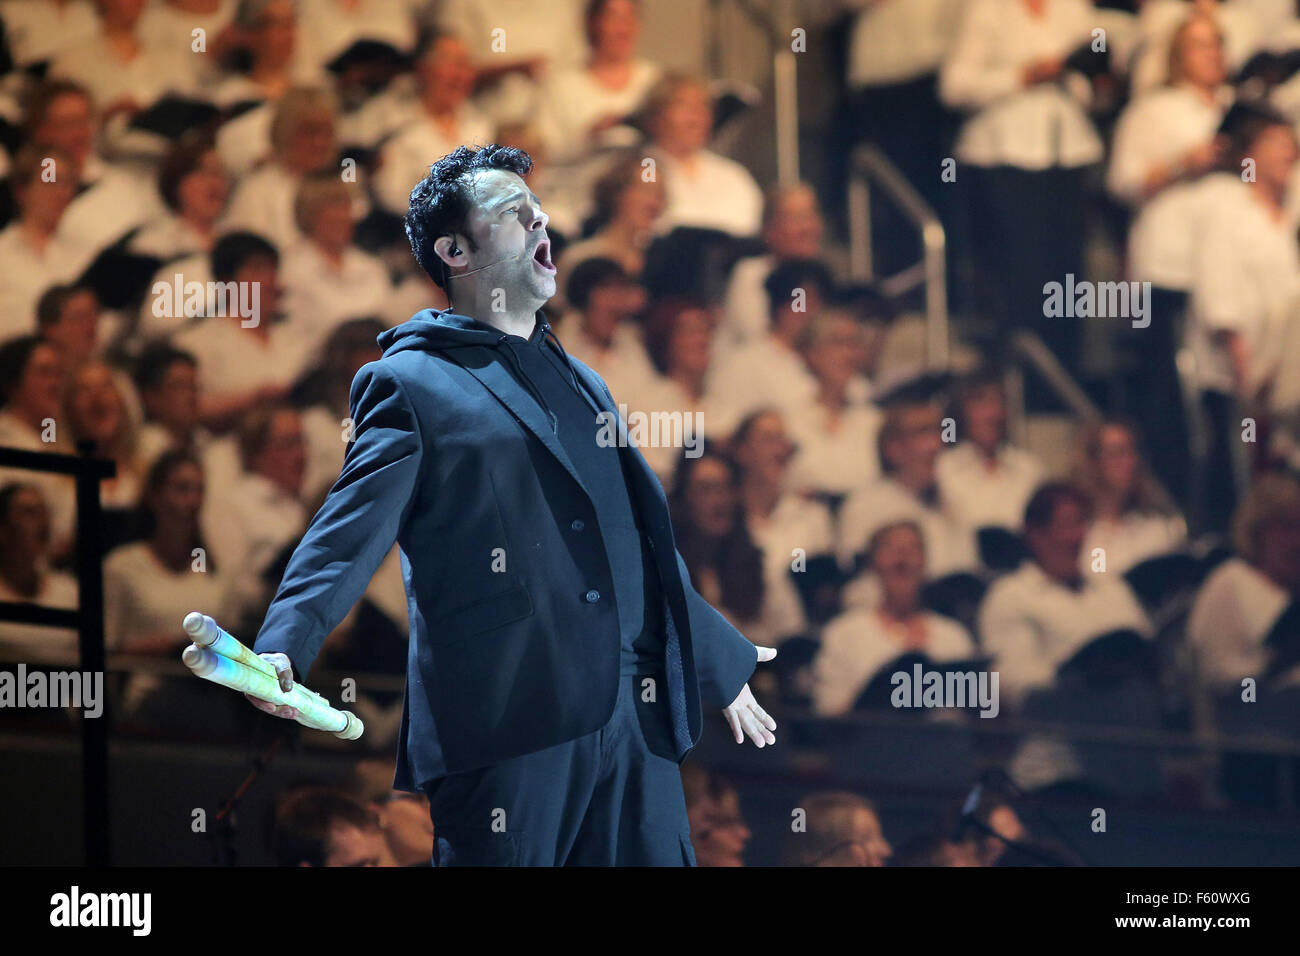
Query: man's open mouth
[542, 257]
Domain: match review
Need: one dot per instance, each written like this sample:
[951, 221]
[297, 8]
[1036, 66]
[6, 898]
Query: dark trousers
[1154, 394]
[1027, 229]
[611, 798]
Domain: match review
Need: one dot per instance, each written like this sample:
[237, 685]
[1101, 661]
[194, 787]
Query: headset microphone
[488, 266]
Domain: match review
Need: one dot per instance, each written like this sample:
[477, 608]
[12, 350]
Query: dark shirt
[636, 583]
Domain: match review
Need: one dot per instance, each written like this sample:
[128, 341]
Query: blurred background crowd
[1102, 508]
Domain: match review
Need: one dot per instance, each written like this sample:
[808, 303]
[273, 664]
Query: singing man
[558, 652]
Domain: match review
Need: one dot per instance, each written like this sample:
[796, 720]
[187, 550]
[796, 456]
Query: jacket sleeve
[356, 526]
[724, 658]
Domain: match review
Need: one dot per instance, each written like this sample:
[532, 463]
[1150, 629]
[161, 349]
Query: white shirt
[327, 28]
[1032, 624]
[144, 599]
[194, 268]
[665, 396]
[982, 496]
[1246, 270]
[408, 155]
[170, 237]
[39, 30]
[1132, 540]
[497, 30]
[623, 364]
[859, 642]
[572, 101]
[718, 193]
[1234, 611]
[1032, 128]
[167, 28]
[762, 373]
[949, 543]
[747, 311]
[234, 360]
[263, 203]
[28, 273]
[41, 645]
[321, 298]
[1158, 128]
[247, 523]
[795, 523]
[898, 40]
[112, 201]
[838, 461]
[150, 75]
[1163, 239]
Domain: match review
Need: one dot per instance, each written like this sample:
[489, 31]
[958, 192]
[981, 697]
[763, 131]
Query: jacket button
[593, 596]
[577, 524]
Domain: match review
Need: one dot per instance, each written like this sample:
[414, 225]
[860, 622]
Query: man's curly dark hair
[440, 202]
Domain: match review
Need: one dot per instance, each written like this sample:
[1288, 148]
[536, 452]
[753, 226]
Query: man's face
[27, 528]
[448, 73]
[284, 457]
[181, 496]
[986, 416]
[508, 227]
[350, 846]
[915, 449]
[1056, 547]
[899, 561]
[69, 125]
[40, 391]
[175, 400]
[77, 329]
[795, 231]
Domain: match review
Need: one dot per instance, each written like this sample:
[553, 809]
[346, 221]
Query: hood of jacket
[443, 330]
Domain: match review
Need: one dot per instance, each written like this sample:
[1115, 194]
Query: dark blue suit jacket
[514, 641]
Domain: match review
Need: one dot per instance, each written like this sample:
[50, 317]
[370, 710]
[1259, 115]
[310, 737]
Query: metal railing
[88, 619]
[870, 166]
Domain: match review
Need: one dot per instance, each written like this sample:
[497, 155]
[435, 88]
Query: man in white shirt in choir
[986, 479]
[244, 360]
[858, 643]
[705, 190]
[1035, 619]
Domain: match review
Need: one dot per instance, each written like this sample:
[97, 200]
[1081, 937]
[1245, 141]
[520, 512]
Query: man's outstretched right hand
[284, 670]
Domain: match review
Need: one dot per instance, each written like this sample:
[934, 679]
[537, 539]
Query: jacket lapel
[498, 380]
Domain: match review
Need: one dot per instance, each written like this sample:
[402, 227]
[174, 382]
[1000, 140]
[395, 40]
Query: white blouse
[1037, 127]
